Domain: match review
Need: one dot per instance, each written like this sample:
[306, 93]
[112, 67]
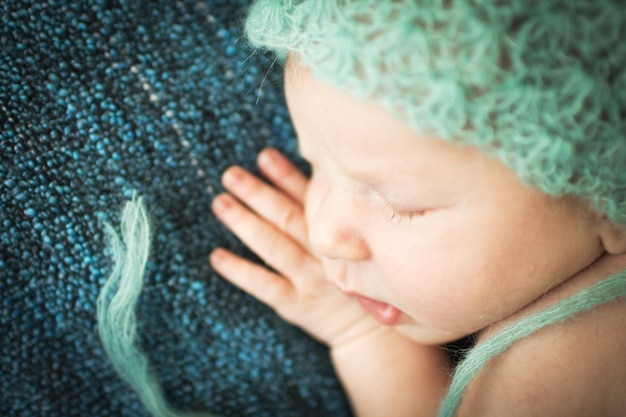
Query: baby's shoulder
[577, 368]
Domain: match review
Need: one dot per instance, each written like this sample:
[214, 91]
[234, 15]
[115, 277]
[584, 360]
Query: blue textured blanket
[100, 98]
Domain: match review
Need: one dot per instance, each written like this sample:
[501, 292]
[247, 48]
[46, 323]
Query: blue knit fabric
[98, 99]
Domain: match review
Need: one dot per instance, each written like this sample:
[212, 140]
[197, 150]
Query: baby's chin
[427, 335]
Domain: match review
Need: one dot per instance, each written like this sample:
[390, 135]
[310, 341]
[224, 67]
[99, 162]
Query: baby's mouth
[382, 312]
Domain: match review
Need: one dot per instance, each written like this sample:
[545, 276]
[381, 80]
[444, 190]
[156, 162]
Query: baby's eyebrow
[294, 70]
[290, 61]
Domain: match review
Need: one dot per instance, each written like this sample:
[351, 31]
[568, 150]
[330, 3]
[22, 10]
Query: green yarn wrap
[602, 292]
[539, 84]
[117, 322]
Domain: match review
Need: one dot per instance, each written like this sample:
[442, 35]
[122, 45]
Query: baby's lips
[382, 312]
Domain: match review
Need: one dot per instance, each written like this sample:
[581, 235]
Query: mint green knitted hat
[540, 84]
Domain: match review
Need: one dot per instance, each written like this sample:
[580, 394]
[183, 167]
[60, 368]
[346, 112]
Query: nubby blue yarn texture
[99, 99]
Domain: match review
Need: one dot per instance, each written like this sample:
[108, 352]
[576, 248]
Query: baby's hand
[269, 219]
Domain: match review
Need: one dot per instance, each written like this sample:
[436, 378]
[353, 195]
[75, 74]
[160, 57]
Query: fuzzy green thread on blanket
[117, 322]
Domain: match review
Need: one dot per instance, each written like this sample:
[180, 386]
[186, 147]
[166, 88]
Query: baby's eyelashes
[399, 215]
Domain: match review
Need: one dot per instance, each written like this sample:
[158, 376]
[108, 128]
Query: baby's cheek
[452, 292]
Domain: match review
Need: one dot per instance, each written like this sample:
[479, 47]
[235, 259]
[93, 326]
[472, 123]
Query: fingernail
[232, 176]
[216, 257]
[267, 157]
[222, 203]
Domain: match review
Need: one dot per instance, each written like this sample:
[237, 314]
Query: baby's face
[436, 239]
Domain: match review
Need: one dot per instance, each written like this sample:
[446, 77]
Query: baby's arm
[383, 372]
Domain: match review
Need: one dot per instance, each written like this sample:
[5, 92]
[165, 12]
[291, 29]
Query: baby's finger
[268, 202]
[270, 288]
[280, 171]
[272, 245]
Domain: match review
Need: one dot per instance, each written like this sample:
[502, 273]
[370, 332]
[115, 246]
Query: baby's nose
[335, 233]
[337, 243]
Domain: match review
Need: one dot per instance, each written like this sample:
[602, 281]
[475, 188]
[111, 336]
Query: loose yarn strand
[117, 322]
[602, 292]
